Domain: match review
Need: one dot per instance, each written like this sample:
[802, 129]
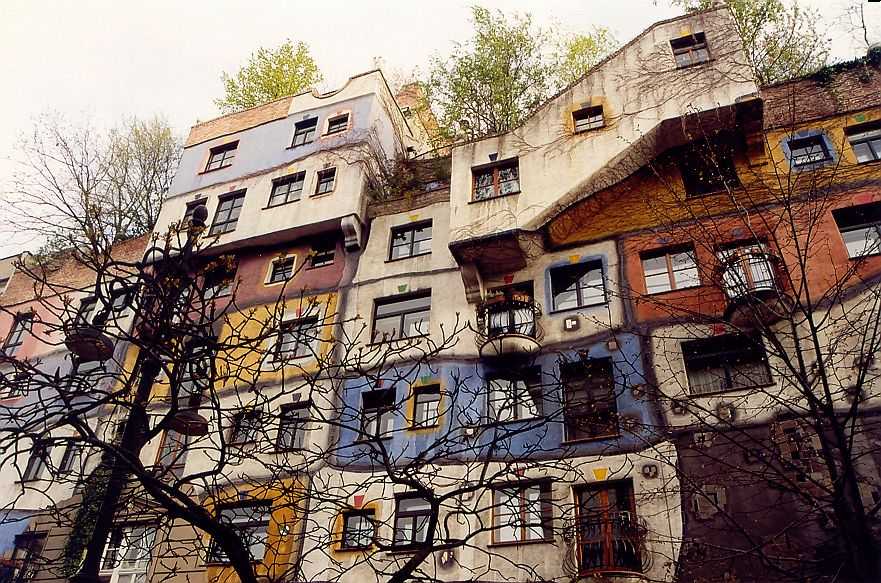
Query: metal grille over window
[221, 156]
[609, 537]
[808, 150]
[127, 553]
[747, 269]
[410, 241]
[496, 180]
[287, 189]
[411, 521]
[726, 362]
[590, 402]
[690, 50]
[865, 140]
[252, 524]
[402, 318]
[377, 414]
[860, 227]
[304, 131]
[227, 215]
[588, 118]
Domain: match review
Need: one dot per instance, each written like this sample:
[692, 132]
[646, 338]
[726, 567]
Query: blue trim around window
[549, 296]
[833, 153]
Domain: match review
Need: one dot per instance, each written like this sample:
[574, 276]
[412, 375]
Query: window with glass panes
[127, 553]
[410, 240]
[251, 521]
[590, 407]
[27, 556]
[690, 50]
[171, 457]
[292, 426]
[401, 317]
[20, 326]
[426, 404]
[359, 529]
[219, 281]
[282, 270]
[38, 463]
[510, 310]
[865, 140]
[338, 124]
[522, 513]
[670, 269]
[245, 426]
[808, 150]
[326, 180]
[72, 459]
[860, 227]
[497, 180]
[411, 521]
[196, 376]
[287, 189]
[607, 529]
[191, 208]
[297, 338]
[578, 285]
[227, 214]
[588, 118]
[512, 399]
[221, 156]
[377, 413]
[726, 362]
[304, 131]
[322, 254]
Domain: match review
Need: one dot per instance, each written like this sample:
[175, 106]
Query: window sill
[407, 257]
[496, 423]
[581, 440]
[731, 390]
[404, 339]
[372, 440]
[281, 204]
[576, 308]
[433, 426]
[215, 169]
[497, 197]
[517, 543]
[342, 549]
[693, 65]
[671, 291]
[293, 147]
[405, 549]
[588, 130]
[866, 256]
[312, 267]
[699, 195]
[319, 195]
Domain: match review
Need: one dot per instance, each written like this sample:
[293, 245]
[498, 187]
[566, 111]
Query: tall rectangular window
[287, 189]
[670, 269]
[359, 529]
[426, 403]
[226, 216]
[865, 139]
[21, 324]
[860, 227]
[221, 156]
[326, 181]
[808, 150]
[304, 131]
[726, 362]
[607, 529]
[251, 521]
[191, 208]
[338, 124]
[297, 338]
[38, 463]
[578, 286]
[522, 513]
[411, 521]
[588, 118]
[410, 240]
[127, 553]
[171, 457]
[245, 427]
[690, 49]
[72, 459]
[496, 180]
[589, 399]
[27, 556]
[377, 413]
[401, 317]
[292, 426]
[195, 379]
[512, 399]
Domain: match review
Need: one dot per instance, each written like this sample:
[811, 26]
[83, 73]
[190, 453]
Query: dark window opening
[245, 426]
[860, 227]
[726, 362]
[670, 269]
[326, 180]
[338, 124]
[377, 414]
[497, 180]
[517, 398]
[359, 529]
[171, 458]
[251, 521]
[322, 254]
[426, 406]
[191, 208]
[412, 516]
[38, 462]
[287, 189]
[578, 286]
[218, 282]
[589, 399]
[588, 118]
[27, 556]
[808, 150]
[510, 310]
[21, 325]
[522, 512]
[609, 537]
[282, 270]
[690, 50]
[865, 139]
[708, 166]
[297, 339]
[292, 426]
[304, 131]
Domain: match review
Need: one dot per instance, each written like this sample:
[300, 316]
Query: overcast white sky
[107, 59]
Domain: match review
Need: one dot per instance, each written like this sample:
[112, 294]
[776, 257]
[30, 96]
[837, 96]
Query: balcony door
[608, 534]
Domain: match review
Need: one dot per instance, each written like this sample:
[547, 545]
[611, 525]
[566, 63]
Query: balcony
[508, 326]
[610, 542]
[748, 276]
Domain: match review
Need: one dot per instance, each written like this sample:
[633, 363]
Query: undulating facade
[631, 339]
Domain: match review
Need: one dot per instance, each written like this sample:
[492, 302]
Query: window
[296, 339]
[38, 462]
[426, 403]
[219, 281]
[127, 553]
[670, 269]
[196, 376]
[20, 325]
[227, 215]
[171, 458]
[496, 180]
[338, 124]
[514, 399]
[509, 310]
[690, 50]
[746, 269]
[808, 150]
[282, 270]
[608, 533]
[860, 227]
[589, 399]
[410, 241]
[287, 189]
[359, 529]
[72, 459]
[3, 282]
[578, 286]
[721, 363]
[377, 414]
[191, 208]
[27, 556]
[708, 166]
[251, 521]
[588, 118]
[292, 426]
[401, 317]
[326, 179]
[97, 311]
[245, 426]
[865, 140]
[304, 132]
[522, 512]
[13, 384]
[322, 254]
[799, 447]
[221, 156]
[411, 521]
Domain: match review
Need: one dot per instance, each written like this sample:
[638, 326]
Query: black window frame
[408, 520]
[303, 344]
[219, 281]
[691, 45]
[866, 134]
[73, 451]
[31, 544]
[410, 243]
[724, 351]
[401, 314]
[494, 170]
[282, 269]
[244, 528]
[345, 534]
[322, 254]
[39, 462]
[426, 398]
[21, 325]
[293, 419]
[229, 223]
[525, 384]
[304, 131]
[378, 406]
[241, 434]
[333, 124]
[321, 181]
[221, 155]
[590, 406]
[191, 208]
[171, 456]
[287, 183]
[856, 218]
[585, 119]
[803, 143]
[588, 266]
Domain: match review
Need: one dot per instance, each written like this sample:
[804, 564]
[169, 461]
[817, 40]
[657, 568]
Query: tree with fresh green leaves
[269, 74]
[782, 39]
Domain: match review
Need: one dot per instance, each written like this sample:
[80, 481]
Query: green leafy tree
[269, 74]
[504, 71]
[781, 39]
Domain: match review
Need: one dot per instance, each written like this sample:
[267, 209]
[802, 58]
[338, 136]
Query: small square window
[245, 426]
[191, 208]
[588, 118]
[227, 214]
[221, 156]
[326, 180]
[410, 241]
[304, 131]
[322, 254]
[338, 124]
[670, 269]
[808, 150]
[297, 339]
[359, 529]
[578, 286]
[860, 227]
[690, 50]
[292, 426]
[514, 399]
[282, 270]
[287, 189]
[426, 406]
[865, 140]
[496, 180]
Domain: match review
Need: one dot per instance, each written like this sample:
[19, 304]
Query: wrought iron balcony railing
[508, 325]
[611, 541]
